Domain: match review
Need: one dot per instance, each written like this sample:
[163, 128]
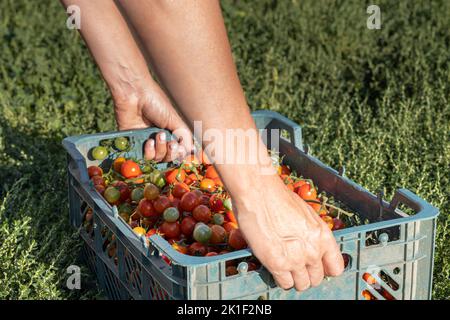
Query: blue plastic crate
[128, 266]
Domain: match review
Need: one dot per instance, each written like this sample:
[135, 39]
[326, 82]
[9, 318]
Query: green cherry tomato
[146, 169]
[202, 233]
[137, 194]
[112, 195]
[218, 219]
[171, 214]
[99, 153]
[121, 143]
[160, 182]
[227, 204]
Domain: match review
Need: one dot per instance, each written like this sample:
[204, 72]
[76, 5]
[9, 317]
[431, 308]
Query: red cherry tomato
[338, 224]
[236, 240]
[189, 201]
[231, 217]
[197, 249]
[123, 188]
[100, 188]
[180, 189]
[204, 200]
[211, 254]
[95, 171]
[146, 208]
[216, 204]
[170, 229]
[202, 213]
[130, 169]
[188, 225]
[161, 203]
[219, 235]
[98, 180]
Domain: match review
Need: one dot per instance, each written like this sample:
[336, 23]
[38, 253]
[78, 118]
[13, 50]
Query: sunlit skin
[186, 45]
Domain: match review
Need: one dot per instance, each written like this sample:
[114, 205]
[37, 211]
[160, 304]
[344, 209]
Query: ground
[375, 101]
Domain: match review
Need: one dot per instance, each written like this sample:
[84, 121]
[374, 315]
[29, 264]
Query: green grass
[375, 101]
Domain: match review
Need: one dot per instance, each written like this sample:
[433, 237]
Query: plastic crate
[136, 270]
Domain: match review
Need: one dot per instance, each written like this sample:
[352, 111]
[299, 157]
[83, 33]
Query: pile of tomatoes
[186, 204]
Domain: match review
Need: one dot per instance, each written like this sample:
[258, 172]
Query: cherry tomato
[170, 229]
[189, 201]
[121, 143]
[368, 296]
[202, 213]
[117, 164]
[180, 248]
[198, 193]
[197, 249]
[218, 219]
[151, 192]
[231, 271]
[130, 169]
[328, 220]
[98, 180]
[338, 224]
[306, 192]
[204, 200]
[146, 208]
[211, 173]
[191, 178]
[139, 230]
[202, 233]
[174, 175]
[179, 189]
[137, 194]
[323, 212]
[228, 226]
[218, 235]
[286, 179]
[175, 202]
[171, 214]
[112, 195]
[218, 182]
[251, 266]
[191, 159]
[161, 203]
[236, 240]
[369, 278]
[95, 171]
[100, 188]
[314, 205]
[187, 226]
[207, 185]
[216, 203]
[99, 153]
[123, 188]
[231, 217]
[211, 254]
[285, 170]
[151, 232]
[298, 184]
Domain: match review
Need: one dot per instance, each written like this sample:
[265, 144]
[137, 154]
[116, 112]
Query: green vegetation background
[376, 101]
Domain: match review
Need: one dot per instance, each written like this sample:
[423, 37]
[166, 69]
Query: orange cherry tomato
[130, 169]
[286, 179]
[369, 278]
[228, 226]
[218, 182]
[298, 184]
[211, 173]
[306, 192]
[117, 164]
[230, 216]
[207, 185]
[329, 221]
[174, 175]
[315, 206]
